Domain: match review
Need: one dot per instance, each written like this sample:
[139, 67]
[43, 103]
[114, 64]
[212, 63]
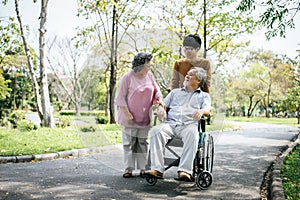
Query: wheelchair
[203, 161]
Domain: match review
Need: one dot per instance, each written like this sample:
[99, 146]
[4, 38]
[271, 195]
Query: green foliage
[10, 40]
[272, 120]
[67, 112]
[101, 118]
[260, 85]
[276, 15]
[26, 125]
[291, 175]
[87, 129]
[63, 121]
[57, 105]
[4, 89]
[83, 113]
[292, 100]
[16, 116]
[39, 141]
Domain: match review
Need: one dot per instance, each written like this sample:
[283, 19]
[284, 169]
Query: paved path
[241, 158]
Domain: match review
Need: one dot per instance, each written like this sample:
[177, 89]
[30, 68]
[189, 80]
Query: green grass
[104, 135]
[44, 140]
[287, 121]
[291, 175]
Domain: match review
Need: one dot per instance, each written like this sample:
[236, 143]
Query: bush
[67, 112]
[88, 129]
[16, 116]
[83, 113]
[89, 113]
[63, 121]
[57, 105]
[101, 118]
[26, 125]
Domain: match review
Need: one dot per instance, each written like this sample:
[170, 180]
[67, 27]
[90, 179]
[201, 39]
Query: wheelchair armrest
[201, 123]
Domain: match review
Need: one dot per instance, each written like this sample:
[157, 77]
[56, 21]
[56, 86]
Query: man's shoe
[183, 176]
[153, 174]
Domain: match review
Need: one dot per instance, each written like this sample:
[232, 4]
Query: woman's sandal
[127, 175]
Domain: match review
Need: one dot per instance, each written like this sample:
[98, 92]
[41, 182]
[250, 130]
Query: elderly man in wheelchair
[185, 108]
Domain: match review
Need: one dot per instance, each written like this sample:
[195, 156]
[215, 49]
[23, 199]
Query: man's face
[191, 79]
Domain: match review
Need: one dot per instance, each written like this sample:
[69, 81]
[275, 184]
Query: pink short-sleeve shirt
[138, 94]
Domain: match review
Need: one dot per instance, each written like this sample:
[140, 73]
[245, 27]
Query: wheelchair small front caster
[151, 180]
[204, 180]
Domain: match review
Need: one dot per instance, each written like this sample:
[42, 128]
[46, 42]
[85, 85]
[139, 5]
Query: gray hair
[140, 60]
[201, 75]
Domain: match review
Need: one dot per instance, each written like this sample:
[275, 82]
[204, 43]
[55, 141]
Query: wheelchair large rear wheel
[209, 154]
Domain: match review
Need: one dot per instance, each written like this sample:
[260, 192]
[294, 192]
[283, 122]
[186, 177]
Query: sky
[62, 21]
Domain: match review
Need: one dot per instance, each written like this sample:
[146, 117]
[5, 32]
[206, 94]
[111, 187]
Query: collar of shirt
[197, 90]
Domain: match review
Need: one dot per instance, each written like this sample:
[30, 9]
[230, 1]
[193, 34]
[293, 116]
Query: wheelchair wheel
[209, 154]
[204, 180]
[151, 180]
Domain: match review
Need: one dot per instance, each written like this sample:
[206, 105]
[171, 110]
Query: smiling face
[191, 80]
[189, 52]
[146, 68]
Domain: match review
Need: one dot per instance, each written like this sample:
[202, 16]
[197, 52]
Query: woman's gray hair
[140, 60]
[201, 75]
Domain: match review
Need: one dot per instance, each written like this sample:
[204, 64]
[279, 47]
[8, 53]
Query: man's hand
[197, 115]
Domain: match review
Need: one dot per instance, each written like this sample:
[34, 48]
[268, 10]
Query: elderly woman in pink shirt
[137, 93]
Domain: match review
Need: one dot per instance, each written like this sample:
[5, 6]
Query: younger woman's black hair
[192, 40]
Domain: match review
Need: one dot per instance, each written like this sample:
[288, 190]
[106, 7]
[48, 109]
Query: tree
[4, 89]
[292, 101]
[43, 101]
[16, 89]
[66, 67]
[264, 81]
[111, 23]
[275, 76]
[215, 21]
[277, 15]
[9, 40]
[48, 120]
[248, 89]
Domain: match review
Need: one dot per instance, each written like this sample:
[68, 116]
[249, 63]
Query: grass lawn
[45, 140]
[291, 175]
[287, 121]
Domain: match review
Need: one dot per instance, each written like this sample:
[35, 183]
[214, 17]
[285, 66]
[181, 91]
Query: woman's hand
[161, 113]
[161, 103]
[128, 115]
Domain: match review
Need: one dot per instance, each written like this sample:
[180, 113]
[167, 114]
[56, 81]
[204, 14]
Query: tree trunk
[47, 110]
[35, 85]
[113, 64]
[204, 30]
[298, 115]
[250, 106]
